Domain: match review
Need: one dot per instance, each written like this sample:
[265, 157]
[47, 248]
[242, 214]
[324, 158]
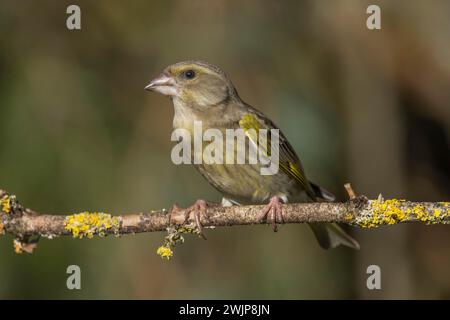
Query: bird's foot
[199, 209]
[273, 212]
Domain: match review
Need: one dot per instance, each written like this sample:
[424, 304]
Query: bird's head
[195, 84]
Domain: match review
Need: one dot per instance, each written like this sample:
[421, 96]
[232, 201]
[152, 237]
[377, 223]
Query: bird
[202, 92]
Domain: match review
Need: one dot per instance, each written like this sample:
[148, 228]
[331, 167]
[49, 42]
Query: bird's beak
[163, 84]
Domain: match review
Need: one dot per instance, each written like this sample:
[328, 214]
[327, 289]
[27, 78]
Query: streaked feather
[288, 160]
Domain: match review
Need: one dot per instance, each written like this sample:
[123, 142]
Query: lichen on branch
[86, 224]
[392, 211]
[27, 226]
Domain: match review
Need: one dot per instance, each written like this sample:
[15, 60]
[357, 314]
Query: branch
[26, 226]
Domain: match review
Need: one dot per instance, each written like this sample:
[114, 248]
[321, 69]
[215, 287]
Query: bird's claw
[199, 210]
[273, 213]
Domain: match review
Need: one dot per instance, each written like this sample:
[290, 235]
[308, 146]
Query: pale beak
[163, 84]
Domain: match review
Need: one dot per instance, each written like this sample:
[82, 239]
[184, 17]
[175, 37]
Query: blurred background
[78, 132]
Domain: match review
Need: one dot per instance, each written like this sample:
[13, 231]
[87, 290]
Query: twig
[26, 226]
[350, 192]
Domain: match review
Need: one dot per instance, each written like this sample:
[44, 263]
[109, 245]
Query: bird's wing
[288, 160]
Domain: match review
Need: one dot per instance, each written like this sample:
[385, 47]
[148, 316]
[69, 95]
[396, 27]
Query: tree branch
[26, 226]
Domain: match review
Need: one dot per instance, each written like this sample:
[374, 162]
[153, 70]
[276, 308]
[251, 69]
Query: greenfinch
[201, 92]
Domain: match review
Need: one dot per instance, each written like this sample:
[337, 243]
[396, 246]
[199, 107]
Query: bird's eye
[189, 74]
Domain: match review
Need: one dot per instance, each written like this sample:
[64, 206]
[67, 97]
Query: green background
[78, 132]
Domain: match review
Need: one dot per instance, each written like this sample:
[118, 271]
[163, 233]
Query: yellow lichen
[5, 204]
[175, 237]
[393, 211]
[384, 212]
[2, 229]
[21, 247]
[437, 213]
[17, 246]
[86, 224]
[435, 216]
[165, 252]
[349, 217]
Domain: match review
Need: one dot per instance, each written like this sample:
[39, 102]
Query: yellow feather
[248, 122]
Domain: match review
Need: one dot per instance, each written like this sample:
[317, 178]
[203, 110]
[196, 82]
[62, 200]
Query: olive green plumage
[202, 92]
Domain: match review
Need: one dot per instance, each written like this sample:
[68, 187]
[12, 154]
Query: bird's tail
[330, 235]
